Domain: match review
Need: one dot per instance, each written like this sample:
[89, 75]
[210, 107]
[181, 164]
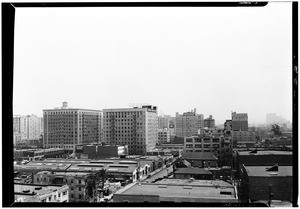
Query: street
[160, 174]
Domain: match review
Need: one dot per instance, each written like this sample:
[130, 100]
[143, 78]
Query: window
[37, 179]
[189, 146]
[79, 188]
[72, 196]
[72, 181]
[189, 140]
[198, 146]
[58, 194]
[79, 196]
[64, 193]
[49, 198]
[197, 140]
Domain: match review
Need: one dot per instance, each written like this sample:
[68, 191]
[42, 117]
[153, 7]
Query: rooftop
[194, 191]
[192, 171]
[265, 152]
[261, 171]
[35, 189]
[195, 182]
[200, 155]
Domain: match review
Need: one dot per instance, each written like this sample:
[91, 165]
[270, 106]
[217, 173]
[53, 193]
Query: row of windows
[54, 197]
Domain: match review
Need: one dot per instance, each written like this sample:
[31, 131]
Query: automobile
[149, 176]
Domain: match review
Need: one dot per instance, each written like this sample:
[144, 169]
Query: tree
[276, 130]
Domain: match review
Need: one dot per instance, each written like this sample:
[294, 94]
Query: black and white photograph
[168, 104]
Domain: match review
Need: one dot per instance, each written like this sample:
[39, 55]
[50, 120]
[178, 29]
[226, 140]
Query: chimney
[194, 110]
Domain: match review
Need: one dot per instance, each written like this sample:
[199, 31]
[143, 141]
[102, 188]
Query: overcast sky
[217, 60]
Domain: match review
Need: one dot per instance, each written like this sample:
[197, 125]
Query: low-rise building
[267, 182]
[201, 159]
[262, 157]
[99, 151]
[40, 193]
[177, 190]
[75, 181]
[37, 154]
[196, 173]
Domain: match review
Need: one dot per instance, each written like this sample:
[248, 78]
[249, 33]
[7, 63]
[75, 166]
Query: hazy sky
[217, 60]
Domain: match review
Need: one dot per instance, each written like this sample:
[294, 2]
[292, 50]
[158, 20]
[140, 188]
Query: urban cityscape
[134, 155]
[163, 106]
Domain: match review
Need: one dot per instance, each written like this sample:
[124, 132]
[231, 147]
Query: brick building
[259, 182]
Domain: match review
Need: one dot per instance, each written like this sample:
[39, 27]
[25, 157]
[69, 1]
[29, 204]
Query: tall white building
[135, 127]
[189, 124]
[27, 127]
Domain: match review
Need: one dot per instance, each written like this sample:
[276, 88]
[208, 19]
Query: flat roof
[181, 191]
[265, 152]
[37, 189]
[71, 109]
[261, 171]
[192, 171]
[195, 182]
[200, 155]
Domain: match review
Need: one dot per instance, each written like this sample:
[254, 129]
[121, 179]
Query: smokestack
[194, 110]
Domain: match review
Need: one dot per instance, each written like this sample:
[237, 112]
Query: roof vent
[273, 173]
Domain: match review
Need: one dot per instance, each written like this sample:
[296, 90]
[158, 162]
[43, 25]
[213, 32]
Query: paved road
[160, 174]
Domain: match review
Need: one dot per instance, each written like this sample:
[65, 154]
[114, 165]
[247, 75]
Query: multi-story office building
[27, 127]
[207, 143]
[209, 122]
[163, 122]
[188, 124]
[67, 127]
[163, 136]
[135, 127]
[239, 121]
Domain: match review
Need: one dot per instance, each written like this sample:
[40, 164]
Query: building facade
[163, 136]
[241, 136]
[209, 122]
[135, 127]
[66, 127]
[188, 124]
[239, 121]
[27, 127]
[203, 144]
[163, 122]
[40, 193]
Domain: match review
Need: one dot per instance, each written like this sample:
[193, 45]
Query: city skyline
[178, 59]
